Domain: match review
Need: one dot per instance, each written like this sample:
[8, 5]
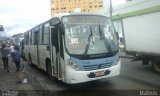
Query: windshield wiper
[104, 39]
[89, 40]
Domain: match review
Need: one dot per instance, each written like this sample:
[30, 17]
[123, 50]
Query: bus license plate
[99, 73]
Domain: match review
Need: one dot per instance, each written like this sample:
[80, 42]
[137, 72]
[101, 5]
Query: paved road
[134, 76]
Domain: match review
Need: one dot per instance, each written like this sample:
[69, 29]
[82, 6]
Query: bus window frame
[40, 34]
[30, 39]
[36, 39]
[44, 33]
[32, 31]
[27, 38]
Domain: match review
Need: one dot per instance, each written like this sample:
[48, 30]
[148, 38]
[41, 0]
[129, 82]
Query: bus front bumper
[73, 77]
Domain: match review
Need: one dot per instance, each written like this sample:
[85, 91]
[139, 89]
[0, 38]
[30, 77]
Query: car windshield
[88, 35]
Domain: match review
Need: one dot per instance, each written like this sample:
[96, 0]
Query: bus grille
[98, 66]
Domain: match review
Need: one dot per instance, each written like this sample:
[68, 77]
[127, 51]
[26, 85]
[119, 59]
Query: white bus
[74, 48]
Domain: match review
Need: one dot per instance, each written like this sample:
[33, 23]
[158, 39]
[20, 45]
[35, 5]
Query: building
[67, 6]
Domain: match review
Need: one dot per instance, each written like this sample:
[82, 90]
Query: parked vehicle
[140, 24]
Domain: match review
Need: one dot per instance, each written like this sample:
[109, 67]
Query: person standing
[12, 50]
[17, 57]
[5, 53]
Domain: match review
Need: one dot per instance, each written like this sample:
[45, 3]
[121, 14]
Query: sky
[18, 16]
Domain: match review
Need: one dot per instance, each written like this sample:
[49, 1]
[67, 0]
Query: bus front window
[93, 35]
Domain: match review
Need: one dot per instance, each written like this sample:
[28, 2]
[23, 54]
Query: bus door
[36, 44]
[55, 51]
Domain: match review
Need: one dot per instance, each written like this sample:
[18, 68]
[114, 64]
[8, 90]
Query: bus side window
[41, 35]
[55, 37]
[33, 33]
[46, 34]
[27, 38]
[30, 37]
[36, 35]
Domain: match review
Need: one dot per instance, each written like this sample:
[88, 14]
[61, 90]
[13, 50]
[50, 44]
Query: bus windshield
[89, 35]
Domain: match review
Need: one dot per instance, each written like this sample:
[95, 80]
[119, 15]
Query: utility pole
[110, 8]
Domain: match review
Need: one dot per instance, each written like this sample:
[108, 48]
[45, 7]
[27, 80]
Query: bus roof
[76, 13]
[66, 14]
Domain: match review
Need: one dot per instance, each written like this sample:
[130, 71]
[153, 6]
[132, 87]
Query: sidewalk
[12, 80]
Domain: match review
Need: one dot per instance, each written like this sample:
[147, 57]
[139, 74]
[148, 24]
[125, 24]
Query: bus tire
[156, 65]
[30, 60]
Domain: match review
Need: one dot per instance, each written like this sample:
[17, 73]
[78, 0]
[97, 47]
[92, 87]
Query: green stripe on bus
[138, 12]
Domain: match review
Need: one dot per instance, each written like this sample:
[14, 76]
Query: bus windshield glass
[89, 35]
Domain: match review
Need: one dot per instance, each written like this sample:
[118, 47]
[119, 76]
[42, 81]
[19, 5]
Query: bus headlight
[73, 65]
